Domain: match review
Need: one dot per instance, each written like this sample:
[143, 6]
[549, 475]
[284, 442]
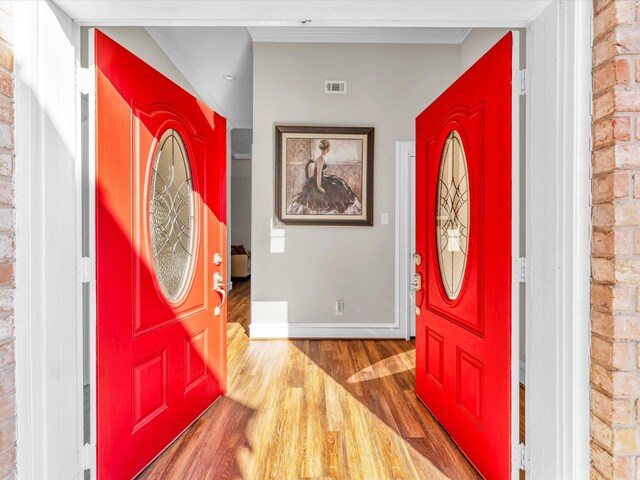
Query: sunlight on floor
[389, 366]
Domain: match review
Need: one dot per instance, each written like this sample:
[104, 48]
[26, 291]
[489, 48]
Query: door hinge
[519, 82]
[521, 269]
[89, 456]
[85, 270]
[520, 457]
[84, 80]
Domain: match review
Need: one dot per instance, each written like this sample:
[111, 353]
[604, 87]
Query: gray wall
[240, 222]
[389, 85]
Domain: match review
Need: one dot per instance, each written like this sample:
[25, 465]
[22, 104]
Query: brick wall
[7, 248]
[615, 275]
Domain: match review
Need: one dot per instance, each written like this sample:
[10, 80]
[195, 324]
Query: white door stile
[515, 248]
[405, 236]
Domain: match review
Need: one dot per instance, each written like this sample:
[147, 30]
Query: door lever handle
[221, 288]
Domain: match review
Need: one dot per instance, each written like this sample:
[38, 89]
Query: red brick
[7, 354]
[627, 270]
[602, 350]
[627, 41]
[626, 327]
[6, 83]
[627, 156]
[625, 356]
[7, 299]
[7, 326]
[604, 49]
[7, 195]
[603, 215]
[602, 270]
[6, 109]
[627, 99]
[602, 461]
[625, 383]
[602, 377]
[7, 433]
[604, 104]
[6, 56]
[626, 214]
[609, 186]
[601, 433]
[623, 467]
[602, 297]
[607, 130]
[6, 274]
[7, 380]
[8, 406]
[7, 462]
[600, 4]
[602, 324]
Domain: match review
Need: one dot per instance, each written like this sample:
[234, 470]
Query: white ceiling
[204, 55]
[370, 13]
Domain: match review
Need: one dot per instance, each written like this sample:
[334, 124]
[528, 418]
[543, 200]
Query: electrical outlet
[339, 308]
[384, 219]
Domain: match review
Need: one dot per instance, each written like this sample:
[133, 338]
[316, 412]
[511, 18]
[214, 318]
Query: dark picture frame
[344, 193]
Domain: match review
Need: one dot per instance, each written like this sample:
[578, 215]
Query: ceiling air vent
[335, 87]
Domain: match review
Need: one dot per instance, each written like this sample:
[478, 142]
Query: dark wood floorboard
[313, 409]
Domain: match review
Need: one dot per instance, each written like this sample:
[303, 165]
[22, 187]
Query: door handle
[221, 288]
[416, 286]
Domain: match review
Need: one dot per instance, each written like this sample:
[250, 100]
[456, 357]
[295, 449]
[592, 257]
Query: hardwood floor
[308, 409]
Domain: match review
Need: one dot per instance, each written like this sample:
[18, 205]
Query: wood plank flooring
[302, 410]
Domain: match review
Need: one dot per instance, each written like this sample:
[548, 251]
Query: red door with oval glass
[463, 236]
[160, 241]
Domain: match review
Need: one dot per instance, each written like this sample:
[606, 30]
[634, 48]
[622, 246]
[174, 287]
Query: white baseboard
[301, 330]
[229, 286]
[522, 372]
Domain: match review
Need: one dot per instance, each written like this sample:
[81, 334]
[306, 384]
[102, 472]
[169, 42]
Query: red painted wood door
[463, 237]
[160, 220]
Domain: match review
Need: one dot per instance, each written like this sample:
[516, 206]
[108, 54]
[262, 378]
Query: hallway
[312, 410]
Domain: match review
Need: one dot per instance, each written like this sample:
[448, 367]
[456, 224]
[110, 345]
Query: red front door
[160, 223]
[463, 237]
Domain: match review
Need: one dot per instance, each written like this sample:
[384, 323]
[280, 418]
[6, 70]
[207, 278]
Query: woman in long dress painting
[324, 194]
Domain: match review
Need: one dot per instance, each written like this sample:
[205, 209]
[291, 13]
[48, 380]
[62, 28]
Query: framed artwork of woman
[324, 175]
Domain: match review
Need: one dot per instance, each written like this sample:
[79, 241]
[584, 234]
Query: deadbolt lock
[418, 258]
[417, 282]
[217, 259]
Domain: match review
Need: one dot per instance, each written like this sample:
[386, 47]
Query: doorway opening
[285, 308]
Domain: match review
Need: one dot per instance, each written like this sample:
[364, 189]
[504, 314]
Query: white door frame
[48, 311]
[405, 235]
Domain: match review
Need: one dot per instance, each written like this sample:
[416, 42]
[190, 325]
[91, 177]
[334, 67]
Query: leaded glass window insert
[171, 215]
[452, 214]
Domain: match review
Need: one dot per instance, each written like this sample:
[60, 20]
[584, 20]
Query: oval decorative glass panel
[452, 214]
[171, 215]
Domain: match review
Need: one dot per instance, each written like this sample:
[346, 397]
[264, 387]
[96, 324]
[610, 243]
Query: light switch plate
[384, 219]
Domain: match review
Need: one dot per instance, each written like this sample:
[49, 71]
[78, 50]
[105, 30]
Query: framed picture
[324, 175]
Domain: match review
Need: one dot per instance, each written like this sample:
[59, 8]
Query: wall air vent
[335, 87]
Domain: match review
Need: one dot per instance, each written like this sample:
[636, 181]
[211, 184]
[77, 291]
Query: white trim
[282, 330]
[405, 235]
[523, 373]
[47, 315]
[302, 34]
[558, 167]
[515, 247]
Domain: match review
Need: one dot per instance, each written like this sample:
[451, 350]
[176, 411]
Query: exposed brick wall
[615, 268]
[7, 250]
